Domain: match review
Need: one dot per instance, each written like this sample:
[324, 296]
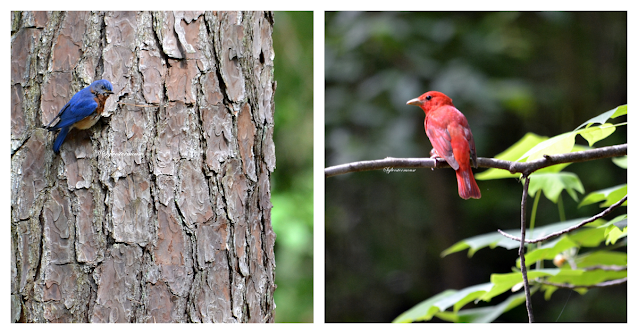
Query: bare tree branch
[367, 165]
[599, 285]
[571, 228]
[525, 168]
[511, 166]
[521, 251]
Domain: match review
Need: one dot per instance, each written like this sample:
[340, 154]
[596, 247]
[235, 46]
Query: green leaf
[516, 151]
[549, 290]
[565, 274]
[581, 277]
[548, 251]
[504, 282]
[513, 153]
[602, 118]
[620, 111]
[483, 314]
[620, 222]
[610, 195]
[496, 239]
[615, 229]
[533, 146]
[601, 257]
[620, 161]
[480, 241]
[462, 297]
[519, 148]
[424, 310]
[597, 133]
[613, 233]
[586, 277]
[552, 184]
[588, 236]
[584, 237]
[449, 316]
[562, 143]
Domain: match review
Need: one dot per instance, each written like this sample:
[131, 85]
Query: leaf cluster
[585, 258]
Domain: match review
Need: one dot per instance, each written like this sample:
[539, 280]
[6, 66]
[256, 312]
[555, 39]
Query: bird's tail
[60, 139]
[467, 185]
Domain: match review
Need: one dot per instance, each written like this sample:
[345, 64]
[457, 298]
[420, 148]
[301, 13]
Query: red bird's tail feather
[467, 185]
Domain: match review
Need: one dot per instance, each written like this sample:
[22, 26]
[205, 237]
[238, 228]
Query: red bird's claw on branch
[434, 155]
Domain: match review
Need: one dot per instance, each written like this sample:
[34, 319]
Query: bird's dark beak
[108, 92]
[415, 102]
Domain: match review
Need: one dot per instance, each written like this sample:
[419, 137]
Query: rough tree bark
[161, 211]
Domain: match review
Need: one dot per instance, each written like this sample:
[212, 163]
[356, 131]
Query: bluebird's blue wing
[78, 109]
[51, 128]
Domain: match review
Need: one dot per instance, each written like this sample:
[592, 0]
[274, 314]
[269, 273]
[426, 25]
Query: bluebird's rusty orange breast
[90, 120]
[87, 122]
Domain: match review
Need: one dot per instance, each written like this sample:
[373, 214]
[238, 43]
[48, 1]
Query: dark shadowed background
[509, 73]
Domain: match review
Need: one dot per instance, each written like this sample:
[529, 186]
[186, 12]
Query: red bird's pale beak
[415, 102]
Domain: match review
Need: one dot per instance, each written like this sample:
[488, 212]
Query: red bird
[451, 138]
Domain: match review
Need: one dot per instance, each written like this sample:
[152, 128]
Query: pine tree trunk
[161, 211]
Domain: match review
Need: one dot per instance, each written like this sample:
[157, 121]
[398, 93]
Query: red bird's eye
[429, 97]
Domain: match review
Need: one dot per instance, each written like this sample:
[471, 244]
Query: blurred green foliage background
[509, 73]
[291, 183]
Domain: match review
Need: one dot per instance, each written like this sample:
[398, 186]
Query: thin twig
[572, 228]
[525, 168]
[599, 285]
[521, 251]
[606, 268]
[511, 166]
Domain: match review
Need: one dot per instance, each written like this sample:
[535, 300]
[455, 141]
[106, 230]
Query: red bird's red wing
[442, 143]
[470, 140]
[441, 125]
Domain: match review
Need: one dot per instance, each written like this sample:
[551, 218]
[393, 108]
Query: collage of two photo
[318, 167]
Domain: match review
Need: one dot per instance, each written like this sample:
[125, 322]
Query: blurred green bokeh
[291, 183]
[509, 73]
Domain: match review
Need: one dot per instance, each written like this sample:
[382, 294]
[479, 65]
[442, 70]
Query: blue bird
[83, 110]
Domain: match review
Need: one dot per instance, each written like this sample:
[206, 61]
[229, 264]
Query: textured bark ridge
[161, 211]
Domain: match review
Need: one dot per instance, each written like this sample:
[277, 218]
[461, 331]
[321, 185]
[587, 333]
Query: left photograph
[161, 167]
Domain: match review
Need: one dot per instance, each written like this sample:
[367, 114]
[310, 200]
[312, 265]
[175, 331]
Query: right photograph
[475, 167]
